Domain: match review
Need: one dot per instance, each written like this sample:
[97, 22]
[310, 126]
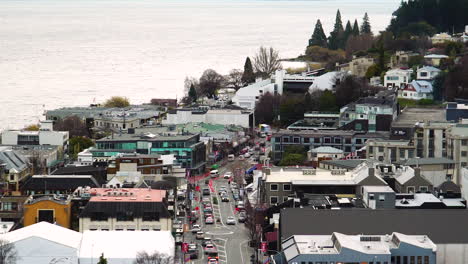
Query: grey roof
[430, 222]
[326, 149]
[140, 137]
[410, 116]
[427, 161]
[348, 164]
[12, 159]
[449, 186]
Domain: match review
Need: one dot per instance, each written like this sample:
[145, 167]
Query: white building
[121, 247]
[247, 97]
[417, 90]
[320, 153]
[85, 158]
[45, 243]
[441, 38]
[327, 81]
[397, 78]
[427, 73]
[214, 116]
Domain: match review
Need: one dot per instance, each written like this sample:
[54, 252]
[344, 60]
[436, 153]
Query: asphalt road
[230, 240]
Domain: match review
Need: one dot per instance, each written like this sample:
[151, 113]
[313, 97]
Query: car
[212, 261]
[231, 220]
[210, 248]
[242, 217]
[235, 196]
[193, 251]
[240, 204]
[241, 157]
[206, 191]
[206, 240]
[206, 215]
[225, 199]
[214, 174]
[208, 210]
[196, 228]
[200, 235]
[209, 220]
[247, 155]
[206, 200]
[227, 175]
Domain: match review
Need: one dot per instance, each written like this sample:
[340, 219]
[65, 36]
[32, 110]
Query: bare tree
[266, 61]
[8, 253]
[210, 82]
[144, 257]
[234, 78]
[74, 125]
[188, 82]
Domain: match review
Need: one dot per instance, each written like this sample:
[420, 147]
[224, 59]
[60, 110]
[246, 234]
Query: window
[124, 216]
[402, 153]
[278, 147]
[371, 150]
[296, 140]
[464, 142]
[463, 153]
[412, 260]
[410, 153]
[98, 216]
[398, 260]
[381, 149]
[273, 199]
[347, 141]
[273, 187]
[410, 189]
[381, 197]
[423, 74]
[337, 140]
[419, 259]
[463, 164]
[371, 196]
[153, 171]
[150, 216]
[286, 187]
[277, 139]
[405, 259]
[426, 259]
[285, 139]
[423, 189]
[285, 198]
[327, 140]
[316, 140]
[12, 177]
[306, 140]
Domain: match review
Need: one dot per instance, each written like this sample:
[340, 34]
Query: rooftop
[418, 200]
[427, 161]
[126, 195]
[329, 150]
[411, 116]
[378, 189]
[348, 164]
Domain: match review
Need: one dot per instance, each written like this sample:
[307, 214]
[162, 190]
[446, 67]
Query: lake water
[56, 53]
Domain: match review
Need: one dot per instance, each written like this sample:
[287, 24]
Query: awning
[249, 171]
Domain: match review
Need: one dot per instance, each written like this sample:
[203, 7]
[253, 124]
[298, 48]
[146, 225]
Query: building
[427, 73]
[116, 249]
[45, 136]
[435, 59]
[401, 59]
[457, 147]
[456, 111]
[164, 102]
[412, 181]
[411, 119]
[378, 197]
[281, 184]
[389, 151]
[348, 141]
[146, 164]
[451, 240]
[397, 78]
[11, 208]
[347, 164]
[341, 248]
[441, 38]
[241, 118]
[317, 120]
[98, 172]
[327, 81]
[189, 151]
[319, 154]
[54, 209]
[133, 209]
[57, 184]
[357, 66]
[44, 243]
[428, 201]
[435, 170]
[15, 168]
[374, 113]
[417, 90]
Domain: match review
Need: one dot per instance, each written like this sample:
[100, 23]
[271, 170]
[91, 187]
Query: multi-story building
[457, 147]
[435, 170]
[54, 209]
[397, 78]
[372, 114]
[15, 168]
[427, 73]
[389, 151]
[57, 184]
[126, 209]
[12, 207]
[410, 119]
[348, 141]
[241, 118]
[430, 139]
[146, 164]
[357, 66]
[341, 248]
[189, 151]
[456, 111]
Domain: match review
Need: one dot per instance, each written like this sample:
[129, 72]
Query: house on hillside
[397, 78]
[427, 73]
[441, 38]
[357, 66]
[435, 59]
[417, 90]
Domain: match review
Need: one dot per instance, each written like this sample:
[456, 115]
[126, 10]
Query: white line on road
[240, 248]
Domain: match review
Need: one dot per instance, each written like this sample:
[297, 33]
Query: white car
[231, 220]
[247, 155]
[227, 175]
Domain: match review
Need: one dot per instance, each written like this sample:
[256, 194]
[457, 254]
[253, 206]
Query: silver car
[231, 220]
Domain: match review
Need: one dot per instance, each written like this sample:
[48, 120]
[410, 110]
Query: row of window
[128, 229]
[125, 216]
[276, 199]
[394, 260]
[330, 140]
[275, 187]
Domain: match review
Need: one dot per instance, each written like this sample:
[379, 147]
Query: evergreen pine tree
[193, 93]
[248, 76]
[102, 259]
[356, 28]
[335, 41]
[318, 37]
[366, 27]
[347, 32]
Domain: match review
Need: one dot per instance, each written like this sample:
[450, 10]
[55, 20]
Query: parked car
[206, 191]
[225, 198]
[209, 220]
[193, 251]
[247, 155]
[231, 220]
[242, 217]
[200, 235]
[212, 261]
[227, 175]
[231, 157]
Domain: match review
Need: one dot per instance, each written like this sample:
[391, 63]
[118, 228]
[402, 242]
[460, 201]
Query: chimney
[417, 172]
[371, 172]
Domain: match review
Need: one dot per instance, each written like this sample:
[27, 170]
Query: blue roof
[422, 86]
[429, 68]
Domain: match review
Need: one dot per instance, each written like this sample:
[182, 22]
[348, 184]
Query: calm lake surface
[56, 53]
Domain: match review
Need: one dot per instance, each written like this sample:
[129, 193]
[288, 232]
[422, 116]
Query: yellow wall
[62, 212]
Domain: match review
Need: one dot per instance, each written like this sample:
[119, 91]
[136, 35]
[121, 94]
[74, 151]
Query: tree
[33, 127]
[348, 32]
[358, 43]
[292, 109]
[266, 62]
[293, 155]
[453, 48]
[78, 144]
[456, 81]
[248, 76]
[117, 101]
[318, 37]
[74, 125]
[188, 82]
[210, 82]
[327, 102]
[319, 54]
[335, 41]
[438, 86]
[267, 108]
[144, 257]
[234, 79]
[356, 28]
[192, 93]
[8, 253]
[102, 259]
[366, 27]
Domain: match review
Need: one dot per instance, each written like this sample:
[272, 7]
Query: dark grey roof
[12, 159]
[348, 164]
[137, 209]
[39, 183]
[449, 186]
[446, 226]
[428, 161]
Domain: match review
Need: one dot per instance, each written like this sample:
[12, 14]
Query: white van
[231, 157]
[214, 174]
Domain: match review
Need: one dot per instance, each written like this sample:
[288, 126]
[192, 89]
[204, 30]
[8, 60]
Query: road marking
[219, 234]
[240, 248]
